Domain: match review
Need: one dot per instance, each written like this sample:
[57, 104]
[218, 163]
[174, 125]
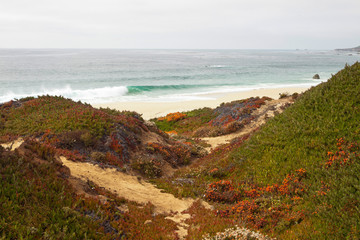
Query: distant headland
[355, 49]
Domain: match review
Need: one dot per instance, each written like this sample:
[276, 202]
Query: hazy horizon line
[116, 48]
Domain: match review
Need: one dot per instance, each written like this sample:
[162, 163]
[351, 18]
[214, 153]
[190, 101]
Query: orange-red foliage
[346, 153]
[173, 117]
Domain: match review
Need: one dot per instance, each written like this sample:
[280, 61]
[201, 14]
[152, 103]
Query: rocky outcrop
[316, 76]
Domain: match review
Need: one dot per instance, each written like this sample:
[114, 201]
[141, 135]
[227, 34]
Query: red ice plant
[345, 154]
[173, 117]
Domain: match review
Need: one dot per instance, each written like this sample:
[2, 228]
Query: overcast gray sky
[234, 24]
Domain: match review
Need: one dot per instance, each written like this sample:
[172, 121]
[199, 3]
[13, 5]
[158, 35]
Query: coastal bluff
[354, 49]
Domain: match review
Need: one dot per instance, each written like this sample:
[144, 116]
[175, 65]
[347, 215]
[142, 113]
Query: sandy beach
[156, 109]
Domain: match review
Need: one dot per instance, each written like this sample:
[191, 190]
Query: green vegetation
[29, 116]
[189, 123]
[297, 177]
[37, 202]
[81, 132]
[304, 133]
[207, 122]
[279, 180]
[301, 137]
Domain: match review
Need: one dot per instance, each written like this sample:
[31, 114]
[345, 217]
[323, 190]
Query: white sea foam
[208, 93]
[100, 76]
[94, 95]
[216, 66]
[98, 94]
[119, 93]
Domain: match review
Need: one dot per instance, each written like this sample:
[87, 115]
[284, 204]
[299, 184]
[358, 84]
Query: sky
[180, 24]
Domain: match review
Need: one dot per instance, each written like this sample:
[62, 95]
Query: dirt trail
[265, 111]
[133, 189]
[129, 187]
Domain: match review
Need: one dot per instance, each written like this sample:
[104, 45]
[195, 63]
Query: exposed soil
[261, 115]
[134, 189]
[129, 187]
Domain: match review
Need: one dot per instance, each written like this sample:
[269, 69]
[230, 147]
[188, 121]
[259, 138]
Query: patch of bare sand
[261, 114]
[133, 189]
[13, 145]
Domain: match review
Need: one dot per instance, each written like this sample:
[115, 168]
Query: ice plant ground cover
[207, 122]
[258, 177]
[38, 202]
[296, 177]
[83, 133]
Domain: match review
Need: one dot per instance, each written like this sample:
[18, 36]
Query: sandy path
[127, 186]
[265, 111]
[133, 189]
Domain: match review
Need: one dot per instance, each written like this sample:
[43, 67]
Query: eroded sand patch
[13, 145]
[129, 187]
[133, 189]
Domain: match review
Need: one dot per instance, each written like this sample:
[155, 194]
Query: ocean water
[114, 75]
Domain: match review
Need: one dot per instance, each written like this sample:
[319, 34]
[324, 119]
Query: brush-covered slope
[81, 132]
[304, 134]
[318, 134]
[38, 202]
[297, 177]
[206, 122]
[308, 159]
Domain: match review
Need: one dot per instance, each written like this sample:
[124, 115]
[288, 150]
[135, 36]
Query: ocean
[115, 75]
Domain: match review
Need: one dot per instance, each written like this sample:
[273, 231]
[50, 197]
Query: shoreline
[151, 110]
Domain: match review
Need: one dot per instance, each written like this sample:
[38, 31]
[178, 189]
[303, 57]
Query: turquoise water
[98, 76]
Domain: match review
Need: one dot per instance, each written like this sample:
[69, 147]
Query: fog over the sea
[241, 24]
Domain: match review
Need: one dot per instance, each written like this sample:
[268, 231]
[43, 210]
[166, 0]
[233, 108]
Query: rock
[150, 124]
[316, 76]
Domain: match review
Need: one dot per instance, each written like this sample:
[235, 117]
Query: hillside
[79, 173]
[213, 127]
[42, 200]
[319, 134]
[207, 122]
[297, 177]
[293, 177]
[103, 136]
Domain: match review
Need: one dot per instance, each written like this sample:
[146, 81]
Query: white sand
[156, 109]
